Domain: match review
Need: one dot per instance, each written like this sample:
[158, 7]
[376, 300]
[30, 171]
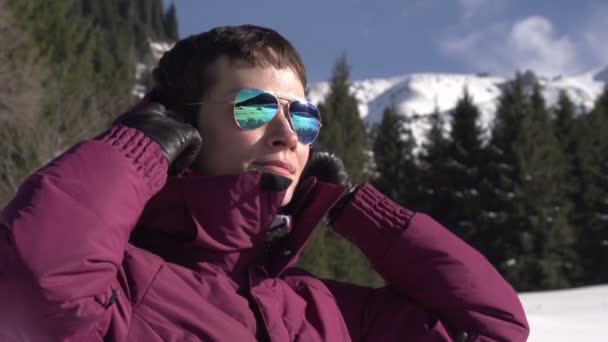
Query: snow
[418, 95]
[157, 49]
[568, 315]
[139, 90]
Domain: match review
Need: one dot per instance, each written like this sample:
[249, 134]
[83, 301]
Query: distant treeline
[533, 198]
[67, 67]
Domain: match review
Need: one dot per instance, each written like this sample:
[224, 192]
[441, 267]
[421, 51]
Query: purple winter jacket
[92, 249]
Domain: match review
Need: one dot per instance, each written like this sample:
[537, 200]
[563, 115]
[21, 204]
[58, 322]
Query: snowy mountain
[417, 95]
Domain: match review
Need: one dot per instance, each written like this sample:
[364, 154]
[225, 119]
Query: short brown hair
[182, 74]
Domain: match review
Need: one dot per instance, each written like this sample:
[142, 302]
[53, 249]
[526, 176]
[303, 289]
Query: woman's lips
[279, 167]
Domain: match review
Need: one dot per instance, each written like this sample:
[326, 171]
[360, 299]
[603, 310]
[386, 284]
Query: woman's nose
[280, 131]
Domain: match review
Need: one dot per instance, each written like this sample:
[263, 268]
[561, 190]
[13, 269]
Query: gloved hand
[179, 141]
[327, 167]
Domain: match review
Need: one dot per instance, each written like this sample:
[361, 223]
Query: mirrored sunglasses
[253, 108]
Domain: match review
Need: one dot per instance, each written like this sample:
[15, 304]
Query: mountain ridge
[417, 95]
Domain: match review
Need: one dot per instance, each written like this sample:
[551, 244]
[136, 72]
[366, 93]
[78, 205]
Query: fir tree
[170, 23]
[434, 179]
[464, 160]
[343, 129]
[150, 13]
[499, 180]
[547, 254]
[393, 153]
[593, 151]
[329, 255]
[569, 130]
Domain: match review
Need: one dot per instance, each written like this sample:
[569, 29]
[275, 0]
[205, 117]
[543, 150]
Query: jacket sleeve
[428, 267]
[65, 232]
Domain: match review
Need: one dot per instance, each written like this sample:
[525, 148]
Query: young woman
[150, 233]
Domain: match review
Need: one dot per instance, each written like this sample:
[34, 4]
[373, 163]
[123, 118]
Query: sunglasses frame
[281, 100]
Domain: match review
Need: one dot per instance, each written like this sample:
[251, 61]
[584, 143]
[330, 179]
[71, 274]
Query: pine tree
[569, 130]
[170, 23]
[157, 24]
[593, 150]
[434, 179]
[150, 13]
[394, 159]
[547, 241]
[327, 254]
[343, 129]
[463, 167]
[499, 180]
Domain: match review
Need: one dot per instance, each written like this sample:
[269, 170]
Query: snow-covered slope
[568, 315]
[417, 95]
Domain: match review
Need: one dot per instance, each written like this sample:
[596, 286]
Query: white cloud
[531, 43]
[475, 50]
[479, 8]
[536, 46]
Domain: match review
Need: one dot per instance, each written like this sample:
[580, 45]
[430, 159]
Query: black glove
[179, 141]
[326, 167]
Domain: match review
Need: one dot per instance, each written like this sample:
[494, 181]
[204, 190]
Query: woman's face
[228, 149]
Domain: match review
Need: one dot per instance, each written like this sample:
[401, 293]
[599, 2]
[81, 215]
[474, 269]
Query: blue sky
[384, 38]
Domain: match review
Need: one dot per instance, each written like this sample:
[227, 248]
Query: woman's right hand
[179, 141]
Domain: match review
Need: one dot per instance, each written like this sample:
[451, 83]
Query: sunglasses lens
[306, 120]
[254, 108]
